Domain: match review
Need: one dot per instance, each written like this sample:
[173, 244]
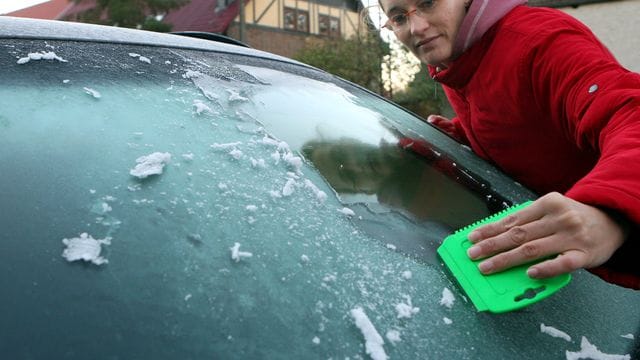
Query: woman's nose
[418, 23]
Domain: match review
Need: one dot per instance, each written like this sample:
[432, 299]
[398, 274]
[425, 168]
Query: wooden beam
[265, 11]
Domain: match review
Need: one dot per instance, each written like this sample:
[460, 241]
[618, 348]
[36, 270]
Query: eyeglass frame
[407, 14]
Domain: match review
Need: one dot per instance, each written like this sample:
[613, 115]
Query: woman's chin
[433, 57]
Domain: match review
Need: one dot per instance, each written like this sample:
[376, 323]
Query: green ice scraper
[501, 292]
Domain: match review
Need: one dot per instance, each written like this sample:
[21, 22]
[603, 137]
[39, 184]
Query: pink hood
[481, 16]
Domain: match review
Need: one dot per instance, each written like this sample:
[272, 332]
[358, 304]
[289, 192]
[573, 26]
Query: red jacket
[543, 99]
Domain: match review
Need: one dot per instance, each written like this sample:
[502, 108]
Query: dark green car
[166, 197]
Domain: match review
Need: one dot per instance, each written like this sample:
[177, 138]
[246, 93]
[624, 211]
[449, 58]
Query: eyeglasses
[399, 21]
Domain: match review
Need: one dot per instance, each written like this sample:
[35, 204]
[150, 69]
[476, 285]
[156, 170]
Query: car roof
[13, 27]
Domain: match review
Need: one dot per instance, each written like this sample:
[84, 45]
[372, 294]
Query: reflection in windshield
[399, 179]
[357, 149]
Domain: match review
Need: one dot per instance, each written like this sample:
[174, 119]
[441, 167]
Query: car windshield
[171, 203]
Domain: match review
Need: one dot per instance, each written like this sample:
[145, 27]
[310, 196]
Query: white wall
[617, 24]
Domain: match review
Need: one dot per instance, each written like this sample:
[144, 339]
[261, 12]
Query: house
[278, 26]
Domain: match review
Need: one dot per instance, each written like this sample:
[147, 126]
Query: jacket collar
[461, 70]
[480, 17]
[476, 33]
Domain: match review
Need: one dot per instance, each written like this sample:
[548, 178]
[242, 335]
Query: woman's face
[430, 32]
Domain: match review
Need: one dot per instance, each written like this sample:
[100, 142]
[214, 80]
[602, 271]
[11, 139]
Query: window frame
[327, 21]
[292, 19]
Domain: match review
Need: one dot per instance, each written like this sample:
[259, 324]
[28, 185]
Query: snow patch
[294, 161]
[105, 207]
[234, 95]
[346, 211]
[589, 351]
[225, 146]
[320, 195]
[373, 340]
[43, 55]
[236, 154]
[141, 58]
[447, 298]
[152, 164]
[258, 163]
[190, 74]
[201, 107]
[94, 93]
[289, 187]
[330, 278]
[393, 336]
[266, 140]
[237, 255]
[85, 248]
[276, 157]
[554, 332]
[406, 310]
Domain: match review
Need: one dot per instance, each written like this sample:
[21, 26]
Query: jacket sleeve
[595, 102]
[456, 101]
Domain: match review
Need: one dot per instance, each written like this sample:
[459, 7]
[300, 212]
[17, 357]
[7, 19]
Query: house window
[329, 25]
[296, 19]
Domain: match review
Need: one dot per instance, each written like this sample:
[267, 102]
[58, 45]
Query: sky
[13, 5]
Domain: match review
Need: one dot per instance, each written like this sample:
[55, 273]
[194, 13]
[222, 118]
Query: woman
[538, 95]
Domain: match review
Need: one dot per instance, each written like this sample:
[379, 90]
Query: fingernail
[473, 236]
[533, 272]
[486, 266]
[473, 252]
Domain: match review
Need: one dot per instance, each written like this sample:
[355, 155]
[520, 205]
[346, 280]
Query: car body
[166, 197]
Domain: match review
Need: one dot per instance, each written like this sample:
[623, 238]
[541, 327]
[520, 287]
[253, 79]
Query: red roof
[47, 10]
[197, 15]
[76, 9]
[201, 15]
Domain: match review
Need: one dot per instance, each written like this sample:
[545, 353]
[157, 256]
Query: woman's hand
[582, 236]
[443, 124]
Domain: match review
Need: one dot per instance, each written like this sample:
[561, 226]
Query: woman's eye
[425, 4]
[399, 19]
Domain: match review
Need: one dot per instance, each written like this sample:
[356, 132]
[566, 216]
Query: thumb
[436, 119]
[432, 118]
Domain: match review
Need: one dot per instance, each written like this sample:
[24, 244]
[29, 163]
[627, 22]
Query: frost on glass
[151, 164]
[226, 241]
[85, 248]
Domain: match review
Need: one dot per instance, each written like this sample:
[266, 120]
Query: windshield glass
[171, 203]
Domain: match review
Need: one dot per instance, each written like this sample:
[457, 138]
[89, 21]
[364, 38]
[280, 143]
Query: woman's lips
[426, 42]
